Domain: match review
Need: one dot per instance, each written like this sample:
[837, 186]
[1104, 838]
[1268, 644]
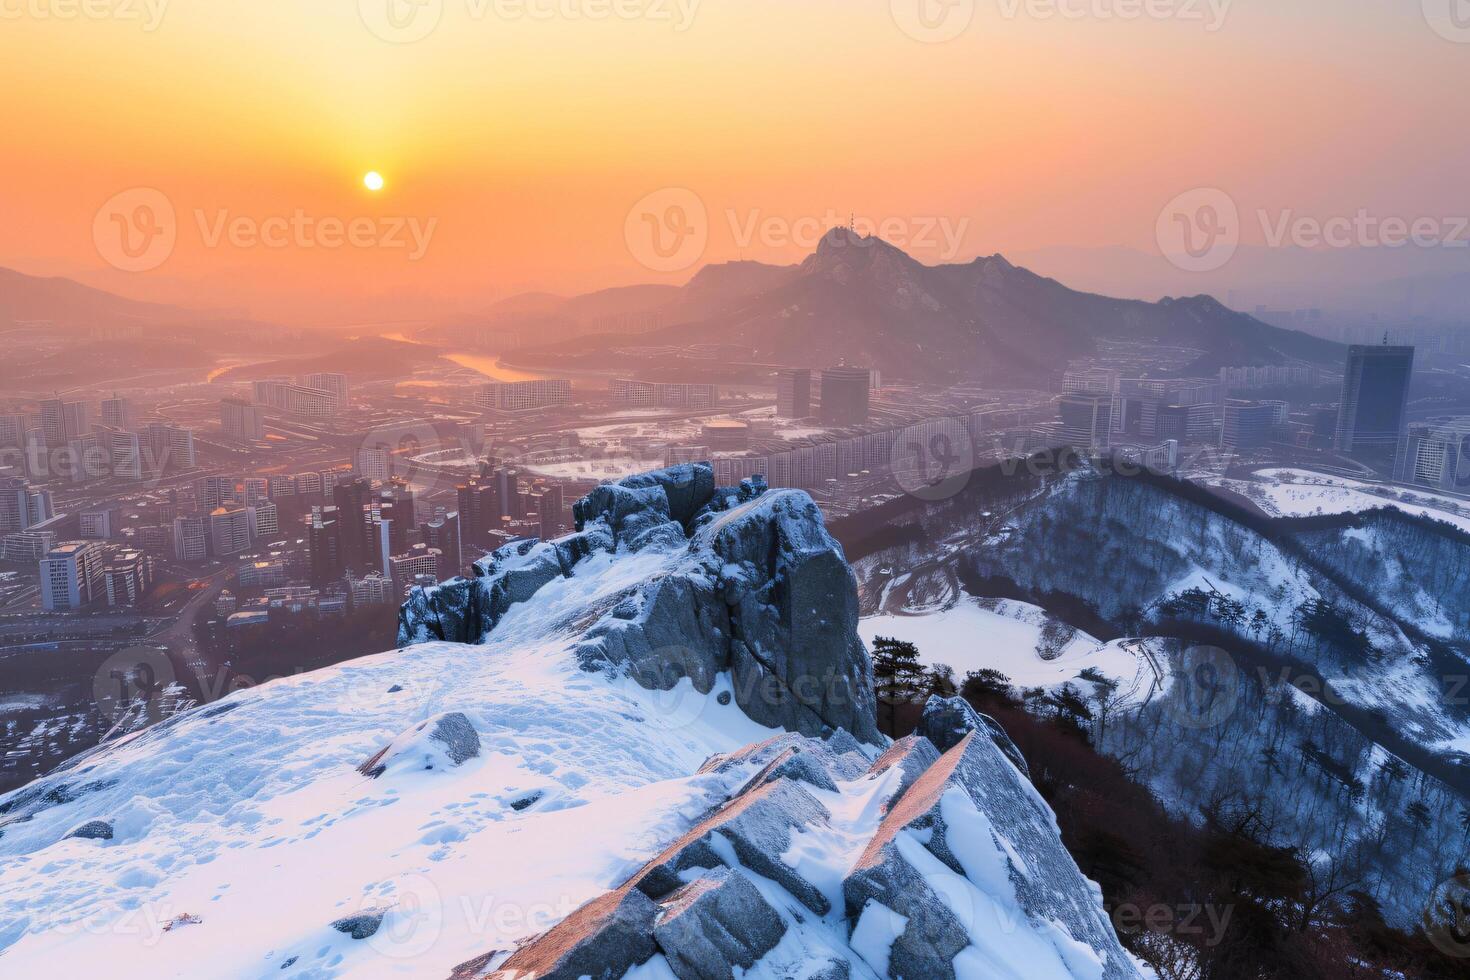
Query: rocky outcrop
[965, 861]
[442, 742]
[93, 830]
[715, 923]
[755, 589]
[946, 722]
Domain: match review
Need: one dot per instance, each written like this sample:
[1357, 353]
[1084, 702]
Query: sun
[373, 181]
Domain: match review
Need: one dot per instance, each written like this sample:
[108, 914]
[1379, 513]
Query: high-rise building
[671, 394]
[96, 524]
[1375, 403]
[191, 537]
[117, 412]
[419, 564]
[71, 575]
[62, 421]
[26, 546]
[212, 492]
[296, 399]
[231, 530]
[1087, 420]
[353, 499]
[794, 393]
[1092, 382]
[172, 447]
[375, 462]
[1436, 456]
[22, 506]
[1194, 424]
[267, 521]
[283, 486]
[845, 394]
[125, 452]
[126, 577]
[334, 384]
[13, 431]
[309, 484]
[324, 539]
[508, 492]
[241, 420]
[254, 489]
[479, 509]
[373, 589]
[1247, 424]
[524, 396]
[443, 534]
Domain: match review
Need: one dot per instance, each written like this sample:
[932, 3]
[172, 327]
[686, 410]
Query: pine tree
[899, 677]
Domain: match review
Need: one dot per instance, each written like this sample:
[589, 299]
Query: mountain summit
[862, 299]
[582, 772]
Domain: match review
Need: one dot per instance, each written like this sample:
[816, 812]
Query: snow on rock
[754, 586]
[488, 806]
[946, 722]
[924, 866]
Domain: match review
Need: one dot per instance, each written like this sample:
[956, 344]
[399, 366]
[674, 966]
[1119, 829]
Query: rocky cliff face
[825, 864]
[756, 589]
[935, 858]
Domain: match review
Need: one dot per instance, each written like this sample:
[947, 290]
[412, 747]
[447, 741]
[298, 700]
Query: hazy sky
[515, 136]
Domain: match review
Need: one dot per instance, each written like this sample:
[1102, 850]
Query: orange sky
[517, 144]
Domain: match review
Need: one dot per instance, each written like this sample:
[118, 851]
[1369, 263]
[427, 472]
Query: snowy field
[1007, 636]
[1303, 493]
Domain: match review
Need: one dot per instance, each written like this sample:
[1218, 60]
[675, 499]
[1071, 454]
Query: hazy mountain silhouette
[68, 303]
[863, 300]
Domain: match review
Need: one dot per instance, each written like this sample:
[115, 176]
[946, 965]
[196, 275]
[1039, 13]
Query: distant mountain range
[862, 300]
[68, 303]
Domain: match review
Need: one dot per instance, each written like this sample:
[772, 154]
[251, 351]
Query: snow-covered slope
[537, 794]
